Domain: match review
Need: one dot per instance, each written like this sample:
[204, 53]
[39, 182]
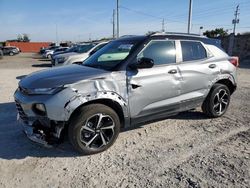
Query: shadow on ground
[15, 145]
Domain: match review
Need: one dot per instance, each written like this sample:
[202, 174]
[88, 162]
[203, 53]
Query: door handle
[173, 71]
[212, 66]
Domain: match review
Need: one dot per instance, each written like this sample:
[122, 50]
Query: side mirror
[143, 63]
[92, 52]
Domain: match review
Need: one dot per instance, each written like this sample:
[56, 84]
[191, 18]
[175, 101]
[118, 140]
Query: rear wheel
[94, 129]
[217, 101]
[11, 53]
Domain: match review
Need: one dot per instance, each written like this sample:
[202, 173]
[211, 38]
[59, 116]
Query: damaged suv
[131, 80]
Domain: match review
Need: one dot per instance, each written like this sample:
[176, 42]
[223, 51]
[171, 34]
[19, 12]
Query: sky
[79, 20]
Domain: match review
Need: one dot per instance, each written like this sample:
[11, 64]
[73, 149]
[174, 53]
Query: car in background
[78, 57]
[45, 50]
[1, 54]
[48, 54]
[10, 50]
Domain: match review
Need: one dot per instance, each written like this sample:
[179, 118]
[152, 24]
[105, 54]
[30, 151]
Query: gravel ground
[187, 150]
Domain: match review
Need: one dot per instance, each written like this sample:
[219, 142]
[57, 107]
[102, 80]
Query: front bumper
[34, 135]
[39, 129]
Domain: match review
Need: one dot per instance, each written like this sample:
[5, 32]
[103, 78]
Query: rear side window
[192, 51]
[162, 52]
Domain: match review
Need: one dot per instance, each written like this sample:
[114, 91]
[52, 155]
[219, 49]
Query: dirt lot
[187, 150]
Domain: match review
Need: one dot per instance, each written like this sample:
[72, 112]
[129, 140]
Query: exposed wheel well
[108, 102]
[229, 84]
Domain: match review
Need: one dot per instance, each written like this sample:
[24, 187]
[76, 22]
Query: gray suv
[132, 80]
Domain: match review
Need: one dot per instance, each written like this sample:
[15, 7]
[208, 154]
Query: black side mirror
[143, 63]
[92, 52]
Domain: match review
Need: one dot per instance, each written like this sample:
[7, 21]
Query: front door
[154, 91]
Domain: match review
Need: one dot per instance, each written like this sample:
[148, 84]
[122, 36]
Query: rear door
[154, 91]
[197, 71]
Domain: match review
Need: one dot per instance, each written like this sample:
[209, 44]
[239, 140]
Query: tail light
[235, 61]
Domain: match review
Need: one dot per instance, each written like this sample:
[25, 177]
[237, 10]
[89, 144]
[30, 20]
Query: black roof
[175, 36]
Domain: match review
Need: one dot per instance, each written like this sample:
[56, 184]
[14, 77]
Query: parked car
[49, 53]
[83, 52]
[45, 50]
[129, 81]
[9, 50]
[80, 57]
[1, 54]
[73, 48]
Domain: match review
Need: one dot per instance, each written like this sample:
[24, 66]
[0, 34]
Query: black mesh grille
[21, 113]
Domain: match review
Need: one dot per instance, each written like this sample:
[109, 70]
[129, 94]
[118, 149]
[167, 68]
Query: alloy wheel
[221, 101]
[97, 131]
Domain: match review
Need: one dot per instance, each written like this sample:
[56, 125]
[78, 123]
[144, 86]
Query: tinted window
[192, 51]
[162, 52]
[84, 48]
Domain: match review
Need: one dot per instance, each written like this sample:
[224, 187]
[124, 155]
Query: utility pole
[163, 25]
[113, 22]
[56, 35]
[236, 19]
[117, 18]
[190, 15]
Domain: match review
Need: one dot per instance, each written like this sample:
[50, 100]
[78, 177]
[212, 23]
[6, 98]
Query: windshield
[84, 48]
[72, 49]
[110, 55]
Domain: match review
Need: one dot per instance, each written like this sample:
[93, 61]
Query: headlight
[45, 91]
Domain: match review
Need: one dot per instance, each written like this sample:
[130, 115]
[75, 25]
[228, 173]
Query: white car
[83, 53]
[48, 53]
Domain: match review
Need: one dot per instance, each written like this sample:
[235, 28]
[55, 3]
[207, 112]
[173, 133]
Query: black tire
[11, 53]
[49, 56]
[87, 116]
[213, 106]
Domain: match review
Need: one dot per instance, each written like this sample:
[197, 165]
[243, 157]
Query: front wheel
[11, 53]
[217, 101]
[49, 56]
[94, 129]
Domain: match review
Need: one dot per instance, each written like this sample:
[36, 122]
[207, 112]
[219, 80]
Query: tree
[23, 38]
[19, 38]
[218, 32]
[26, 38]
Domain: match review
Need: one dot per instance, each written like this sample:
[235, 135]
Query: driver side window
[162, 52]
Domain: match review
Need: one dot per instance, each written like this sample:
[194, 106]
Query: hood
[65, 54]
[55, 77]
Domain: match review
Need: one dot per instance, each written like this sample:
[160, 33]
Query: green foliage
[218, 32]
[23, 37]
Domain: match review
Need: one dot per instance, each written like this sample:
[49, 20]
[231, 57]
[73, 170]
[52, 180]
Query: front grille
[21, 113]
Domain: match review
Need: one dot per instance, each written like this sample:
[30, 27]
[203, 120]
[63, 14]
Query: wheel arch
[228, 83]
[108, 102]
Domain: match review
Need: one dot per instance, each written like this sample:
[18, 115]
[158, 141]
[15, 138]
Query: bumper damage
[36, 132]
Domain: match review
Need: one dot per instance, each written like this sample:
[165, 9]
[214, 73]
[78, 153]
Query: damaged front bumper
[35, 137]
[37, 133]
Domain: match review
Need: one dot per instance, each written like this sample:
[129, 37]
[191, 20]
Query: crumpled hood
[55, 77]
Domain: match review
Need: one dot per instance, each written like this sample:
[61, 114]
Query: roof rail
[176, 33]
